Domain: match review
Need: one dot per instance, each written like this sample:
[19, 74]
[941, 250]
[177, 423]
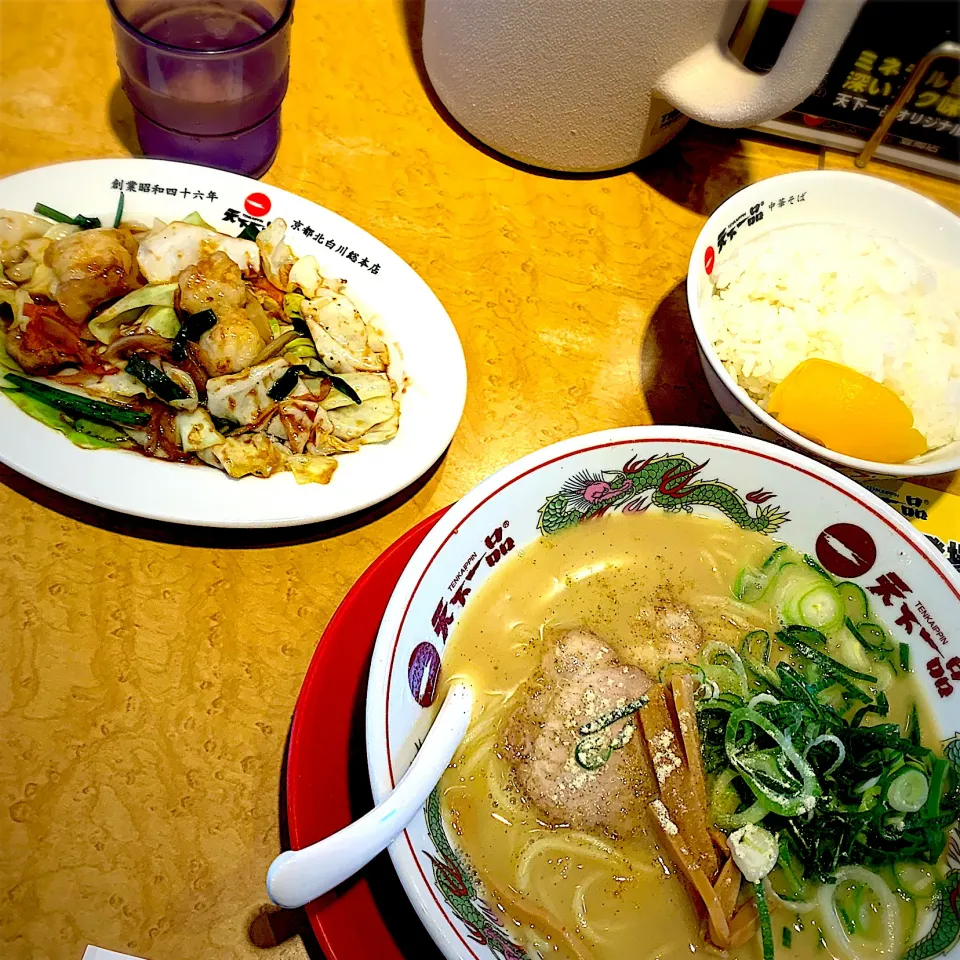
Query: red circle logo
[257, 204]
[709, 258]
[846, 550]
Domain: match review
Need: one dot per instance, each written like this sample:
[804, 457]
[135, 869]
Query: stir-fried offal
[90, 267]
[234, 342]
[197, 346]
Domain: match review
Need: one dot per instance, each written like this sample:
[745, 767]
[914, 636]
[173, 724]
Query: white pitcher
[586, 85]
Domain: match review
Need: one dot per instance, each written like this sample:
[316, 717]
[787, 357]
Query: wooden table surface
[148, 673]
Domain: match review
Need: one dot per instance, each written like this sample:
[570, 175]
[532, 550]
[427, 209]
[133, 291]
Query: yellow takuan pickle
[847, 412]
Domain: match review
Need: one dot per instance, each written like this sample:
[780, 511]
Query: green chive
[85, 223]
[165, 388]
[77, 406]
[193, 327]
[284, 384]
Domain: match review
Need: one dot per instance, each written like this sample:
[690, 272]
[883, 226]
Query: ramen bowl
[860, 203]
[637, 473]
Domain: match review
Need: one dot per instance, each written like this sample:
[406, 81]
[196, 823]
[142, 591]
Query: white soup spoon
[298, 876]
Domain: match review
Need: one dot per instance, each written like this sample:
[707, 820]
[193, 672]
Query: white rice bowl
[848, 295]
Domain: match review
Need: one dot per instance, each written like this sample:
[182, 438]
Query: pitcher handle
[711, 86]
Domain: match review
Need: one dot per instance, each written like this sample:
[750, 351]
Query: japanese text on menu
[935, 104]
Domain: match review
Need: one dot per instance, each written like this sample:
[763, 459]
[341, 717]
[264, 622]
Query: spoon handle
[298, 876]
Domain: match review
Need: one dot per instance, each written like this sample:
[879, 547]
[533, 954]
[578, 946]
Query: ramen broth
[584, 893]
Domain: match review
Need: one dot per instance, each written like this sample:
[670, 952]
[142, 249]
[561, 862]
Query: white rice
[863, 300]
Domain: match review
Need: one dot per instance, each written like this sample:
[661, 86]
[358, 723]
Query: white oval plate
[386, 289]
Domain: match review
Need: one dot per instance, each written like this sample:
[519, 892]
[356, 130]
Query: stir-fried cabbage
[104, 326]
[243, 397]
[246, 357]
[170, 248]
[196, 432]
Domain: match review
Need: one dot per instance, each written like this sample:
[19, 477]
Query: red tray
[327, 785]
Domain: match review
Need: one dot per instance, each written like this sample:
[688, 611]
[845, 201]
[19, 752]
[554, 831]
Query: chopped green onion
[766, 930]
[249, 232]
[911, 731]
[786, 938]
[915, 879]
[774, 559]
[810, 562]
[722, 664]
[833, 741]
[908, 793]
[84, 223]
[935, 795]
[886, 798]
[854, 600]
[754, 850]
[607, 719]
[751, 585]
[807, 598]
[595, 749]
[118, 216]
[871, 636]
[848, 921]
[680, 668]
[905, 657]
[757, 660]
[726, 680]
[593, 752]
[725, 804]
[624, 736]
[752, 640]
[798, 637]
[790, 870]
[881, 708]
[779, 788]
[820, 608]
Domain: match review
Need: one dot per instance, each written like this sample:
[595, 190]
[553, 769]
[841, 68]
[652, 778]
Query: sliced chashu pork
[581, 679]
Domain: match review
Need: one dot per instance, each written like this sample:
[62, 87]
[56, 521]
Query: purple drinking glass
[206, 77]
